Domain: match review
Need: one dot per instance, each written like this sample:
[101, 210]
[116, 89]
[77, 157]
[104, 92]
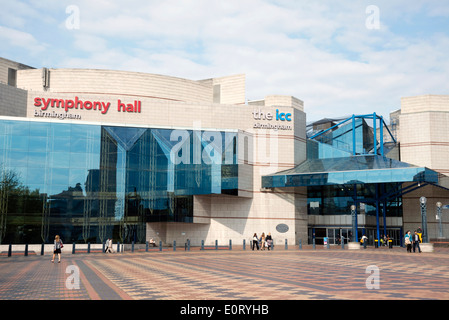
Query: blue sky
[337, 56]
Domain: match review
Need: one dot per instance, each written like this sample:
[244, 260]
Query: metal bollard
[300, 244]
[342, 243]
[230, 244]
[26, 249]
[160, 245]
[42, 249]
[313, 243]
[202, 245]
[118, 247]
[174, 245]
[132, 246]
[73, 248]
[188, 244]
[244, 244]
[104, 247]
[286, 244]
[216, 244]
[146, 246]
[88, 247]
[10, 250]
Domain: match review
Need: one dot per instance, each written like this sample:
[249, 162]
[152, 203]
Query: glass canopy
[349, 170]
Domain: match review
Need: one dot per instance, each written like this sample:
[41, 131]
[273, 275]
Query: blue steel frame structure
[373, 166]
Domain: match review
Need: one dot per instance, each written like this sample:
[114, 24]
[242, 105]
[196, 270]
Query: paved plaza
[229, 275]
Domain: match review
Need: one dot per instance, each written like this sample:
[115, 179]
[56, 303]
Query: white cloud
[15, 38]
[320, 52]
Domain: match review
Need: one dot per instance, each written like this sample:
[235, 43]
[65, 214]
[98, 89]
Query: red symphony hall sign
[67, 104]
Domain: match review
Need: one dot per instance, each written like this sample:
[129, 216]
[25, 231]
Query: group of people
[413, 240]
[263, 242]
[384, 240]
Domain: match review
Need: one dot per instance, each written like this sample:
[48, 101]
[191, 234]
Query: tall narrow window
[12, 77]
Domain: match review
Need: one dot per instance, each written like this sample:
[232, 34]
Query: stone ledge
[354, 246]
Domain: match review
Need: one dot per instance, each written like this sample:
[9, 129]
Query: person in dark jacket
[416, 241]
[269, 240]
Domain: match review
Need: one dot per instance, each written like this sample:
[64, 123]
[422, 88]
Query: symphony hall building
[90, 154]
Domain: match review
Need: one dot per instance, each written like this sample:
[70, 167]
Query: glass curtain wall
[90, 182]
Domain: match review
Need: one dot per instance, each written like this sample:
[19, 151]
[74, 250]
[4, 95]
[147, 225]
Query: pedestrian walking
[416, 241]
[255, 241]
[408, 241]
[109, 246]
[58, 245]
[364, 241]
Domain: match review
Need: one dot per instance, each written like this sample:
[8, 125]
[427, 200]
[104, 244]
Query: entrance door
[320, 233]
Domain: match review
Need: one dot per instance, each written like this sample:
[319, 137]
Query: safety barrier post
[10, 250]
[202, 245]
[230, 244]
[73, 248]
[160, 245]
[244, 244]
[286, 244]
[216, 244]
[300, 244]
[26, 249]
[174, 245]
[88, 247]
[42, 249]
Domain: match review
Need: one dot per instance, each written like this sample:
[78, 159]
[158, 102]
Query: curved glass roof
[349, 170]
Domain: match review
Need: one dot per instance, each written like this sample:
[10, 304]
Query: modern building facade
[91, 154]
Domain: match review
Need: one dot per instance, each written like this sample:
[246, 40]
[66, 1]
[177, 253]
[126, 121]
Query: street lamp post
[423, 201]
[440, 224]
[354, 224]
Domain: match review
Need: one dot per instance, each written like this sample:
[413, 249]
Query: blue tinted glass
[19, 142]
[59, 159]
[38, 159]
[38, 144]
[17, 158]
[61, 130]
[59, 176]
[79, 145]
[73, 166]
[36, 176]
[60, 144]
[40, 129]
[18, 128]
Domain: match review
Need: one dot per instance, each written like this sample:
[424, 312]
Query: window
[12, 77]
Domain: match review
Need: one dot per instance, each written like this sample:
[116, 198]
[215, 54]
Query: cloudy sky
[339, 57]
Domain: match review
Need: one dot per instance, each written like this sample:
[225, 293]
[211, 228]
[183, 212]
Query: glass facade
[90, 182]
[337, 200]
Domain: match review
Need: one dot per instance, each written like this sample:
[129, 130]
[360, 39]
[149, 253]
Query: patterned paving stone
[229, 275]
